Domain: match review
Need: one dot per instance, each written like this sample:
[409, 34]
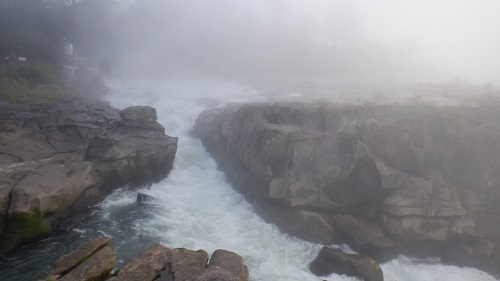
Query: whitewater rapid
[197, 208]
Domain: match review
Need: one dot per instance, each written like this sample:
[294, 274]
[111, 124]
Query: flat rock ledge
[58, 159]
[415, 179]
[95, 260]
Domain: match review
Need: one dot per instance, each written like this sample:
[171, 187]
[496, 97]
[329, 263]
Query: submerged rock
[143, 198]
[55, 159]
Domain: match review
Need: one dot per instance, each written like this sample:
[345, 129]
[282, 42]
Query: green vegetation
[31, 83]
[25, 227]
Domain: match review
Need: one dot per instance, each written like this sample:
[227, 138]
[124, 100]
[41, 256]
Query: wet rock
[187, 264]
[96, 267]
[143, 198]
[331, 261]
[216, 273]
[141, 117]
[147, 265]
[70, 261]
[361, 235]
[94, 259]
[229, 261]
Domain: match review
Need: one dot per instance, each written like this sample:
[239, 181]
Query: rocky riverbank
[58, 158]
[414, 179]
[95, 260]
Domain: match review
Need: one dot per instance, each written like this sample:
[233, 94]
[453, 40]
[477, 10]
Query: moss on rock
[24, 227]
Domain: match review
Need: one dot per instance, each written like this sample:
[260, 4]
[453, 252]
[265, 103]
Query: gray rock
[229, 261]
[147, 265]
[216, 273]
[331, 261]
[70, 261]
[96, 267]
[361, 235]
[143, 198]
[187, 264]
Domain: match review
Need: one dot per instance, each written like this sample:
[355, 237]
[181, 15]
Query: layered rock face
[57, 158]
[95, 259]
[384, 179]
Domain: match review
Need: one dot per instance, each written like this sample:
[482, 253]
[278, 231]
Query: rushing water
[195, 206]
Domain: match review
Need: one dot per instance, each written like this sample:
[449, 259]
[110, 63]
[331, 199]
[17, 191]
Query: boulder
[216, 273]
[92, 260]
[361, 235]
[228, 261]
[97, 267]
[147, 265]
[143, 198]
[141, 117]
[187, 264]
[336, 261]
[70, 261]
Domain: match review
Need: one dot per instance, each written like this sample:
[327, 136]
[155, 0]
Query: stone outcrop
[92, 260]
[55, 159]
[155, 263]
[380, 178]
[331, 261]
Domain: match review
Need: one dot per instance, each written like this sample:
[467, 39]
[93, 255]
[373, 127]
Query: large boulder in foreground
[155, 263]
[337, 261]
[57, 158]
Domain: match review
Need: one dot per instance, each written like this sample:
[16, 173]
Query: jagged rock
[141, 117]
[142, 198]
[96, 267]
[307, 225]
[216, 273]
[92, 260]
[147, 265]
[292, 159]
[331, 261]
[187, 264]
[70, 261]
[61, 157]
[229, 261]
[361, 235]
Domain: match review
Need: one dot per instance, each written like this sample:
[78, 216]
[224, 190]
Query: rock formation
[96, 258]
[413, 179]
[331, 261]
[57, 158]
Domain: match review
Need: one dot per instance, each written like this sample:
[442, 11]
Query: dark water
[32, 261]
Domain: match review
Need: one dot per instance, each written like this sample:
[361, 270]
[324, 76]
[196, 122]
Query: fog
[337, 40]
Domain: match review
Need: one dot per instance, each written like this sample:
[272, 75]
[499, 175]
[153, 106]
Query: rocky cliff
[57, 158]
[414, 179]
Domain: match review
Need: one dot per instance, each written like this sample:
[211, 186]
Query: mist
[337, 40]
